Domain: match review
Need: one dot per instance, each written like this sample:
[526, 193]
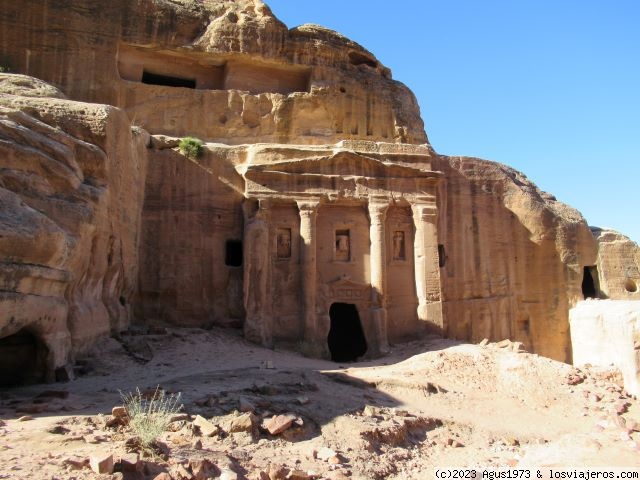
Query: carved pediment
[343, 163]
[348, 291]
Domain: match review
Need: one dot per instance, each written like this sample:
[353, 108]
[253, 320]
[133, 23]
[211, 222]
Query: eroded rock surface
[71, 185]
[617, 272]
[225, 71]
[607, 332]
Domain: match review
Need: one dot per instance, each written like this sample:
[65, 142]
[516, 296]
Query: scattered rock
[58, 430]
[277, 472]
[130, 463]
[298, 475]
[243, 423]
[119, 412]
[575, 378]
[179, 417]
[196, 444]
[203, 469]
[102, 463]
[632, 425]
[266, 364]
[228, 475]
[76, 463]
[207, 429]
[302, 400]
[25, 418]
[95, 438]
[139, 349]
[180, 472]
[325, 454]
[621, 407]
[371, 411]
[279, 423]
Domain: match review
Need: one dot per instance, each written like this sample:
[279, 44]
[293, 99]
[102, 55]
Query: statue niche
[343, 246]
[398, 246]
[283, 243]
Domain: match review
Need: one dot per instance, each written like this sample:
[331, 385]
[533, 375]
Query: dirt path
[430, 403]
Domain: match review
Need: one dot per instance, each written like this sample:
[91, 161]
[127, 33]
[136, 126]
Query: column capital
[424, 211]
[377, 210]
[308, 205]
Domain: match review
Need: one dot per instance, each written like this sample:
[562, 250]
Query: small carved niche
[343, 246]
[399, 245]
[283, 243]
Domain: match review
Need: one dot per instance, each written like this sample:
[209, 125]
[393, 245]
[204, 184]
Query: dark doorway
[167, 81]
[589, 282]
[346, 337]
[22, 360]
[233, 253]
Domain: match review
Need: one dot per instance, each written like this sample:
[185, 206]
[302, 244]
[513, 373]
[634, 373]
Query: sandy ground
[431, 403]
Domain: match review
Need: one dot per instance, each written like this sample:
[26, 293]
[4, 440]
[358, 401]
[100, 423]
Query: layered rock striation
[71, 184]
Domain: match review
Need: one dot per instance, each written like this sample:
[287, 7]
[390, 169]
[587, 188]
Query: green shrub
[190, 147]
[149, 417]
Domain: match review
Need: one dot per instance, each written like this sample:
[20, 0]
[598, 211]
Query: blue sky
[550, 87]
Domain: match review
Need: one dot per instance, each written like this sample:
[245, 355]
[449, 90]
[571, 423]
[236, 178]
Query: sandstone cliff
[71, 184]
[99, 218]
[224, 71]
[514, 257]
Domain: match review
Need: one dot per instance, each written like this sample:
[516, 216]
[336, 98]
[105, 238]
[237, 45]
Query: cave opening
[22, 359]
[167, 80]
[589, 282]
[346, 338]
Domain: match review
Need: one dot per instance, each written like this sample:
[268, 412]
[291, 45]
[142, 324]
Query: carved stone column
[427, 270]
[312, 345]
[378, 264]
[257, 263]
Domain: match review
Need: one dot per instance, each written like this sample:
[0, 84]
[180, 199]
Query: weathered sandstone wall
[248, 79]
[607, 332]
[71, 183]
[617, 266]
[514, 257]
[191, 209]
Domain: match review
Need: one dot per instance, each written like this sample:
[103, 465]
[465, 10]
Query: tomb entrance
[346, 339]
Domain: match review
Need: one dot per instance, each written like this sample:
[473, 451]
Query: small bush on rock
[190, 147]
[149, 415]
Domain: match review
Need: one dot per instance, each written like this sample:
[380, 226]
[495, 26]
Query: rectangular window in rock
[398, 245]
[343, 246]
[233, 253]
[283, 243]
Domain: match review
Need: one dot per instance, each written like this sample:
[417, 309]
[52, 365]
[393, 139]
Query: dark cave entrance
[22, 360]
[166, 80]
[590, 282]
[346, 337]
